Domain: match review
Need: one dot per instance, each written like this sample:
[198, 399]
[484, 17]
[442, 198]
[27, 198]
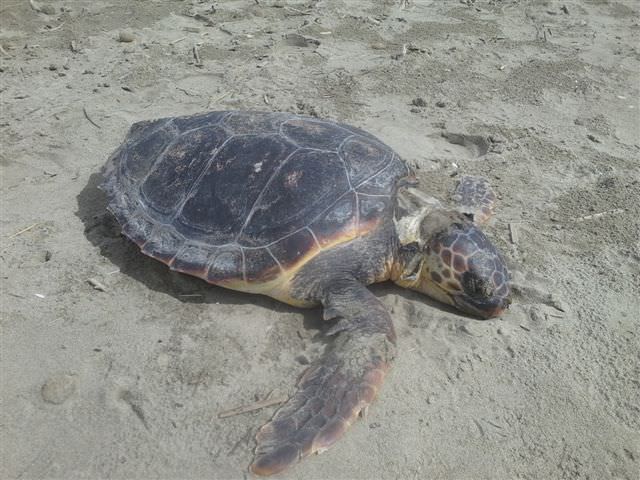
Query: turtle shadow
[412, 297]
[103, 231]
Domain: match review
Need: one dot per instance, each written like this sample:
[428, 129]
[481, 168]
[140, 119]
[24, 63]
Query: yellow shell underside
[280, 287]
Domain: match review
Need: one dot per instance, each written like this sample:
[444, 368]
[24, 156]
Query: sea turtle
[309, 212]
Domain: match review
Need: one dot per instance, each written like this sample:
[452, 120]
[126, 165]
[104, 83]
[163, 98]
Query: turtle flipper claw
[331, 393]
[330, 397]
[475, 197]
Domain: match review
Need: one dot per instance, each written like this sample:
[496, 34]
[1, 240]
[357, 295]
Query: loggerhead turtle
[309, 212]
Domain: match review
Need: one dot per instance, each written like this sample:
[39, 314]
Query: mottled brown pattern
[459, 263]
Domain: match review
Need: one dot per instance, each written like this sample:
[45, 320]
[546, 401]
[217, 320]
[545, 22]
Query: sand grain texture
[127, 380]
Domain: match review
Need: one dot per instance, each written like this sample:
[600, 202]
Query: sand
[114, 367]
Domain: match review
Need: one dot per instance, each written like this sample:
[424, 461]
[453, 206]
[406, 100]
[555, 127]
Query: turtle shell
[239, 198]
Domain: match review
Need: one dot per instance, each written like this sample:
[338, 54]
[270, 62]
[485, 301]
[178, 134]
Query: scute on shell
[246, 196]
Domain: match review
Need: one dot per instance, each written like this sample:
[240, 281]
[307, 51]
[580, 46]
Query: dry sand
[126, 380]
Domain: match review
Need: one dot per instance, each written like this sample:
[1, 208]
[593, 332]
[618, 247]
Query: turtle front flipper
[337, 387]
[475, 197]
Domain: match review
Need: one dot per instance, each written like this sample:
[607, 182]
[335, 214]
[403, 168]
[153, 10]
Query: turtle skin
[244, 199]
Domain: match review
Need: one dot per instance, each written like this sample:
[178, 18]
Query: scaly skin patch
[457, 265]
[475, 197]
[301, 430]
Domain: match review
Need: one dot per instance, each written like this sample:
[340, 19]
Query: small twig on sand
[86, 115]
[219, 98]
[291, 9]
[203, 18]
[252, 408]
[196, 56]
[513, 233]
[615, 211]
[24, 230]
[97, 284]
[53, 29]
[177, 40]
[186, 92]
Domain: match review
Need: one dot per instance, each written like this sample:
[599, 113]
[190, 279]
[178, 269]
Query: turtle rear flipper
[475, 197]
[336, 388]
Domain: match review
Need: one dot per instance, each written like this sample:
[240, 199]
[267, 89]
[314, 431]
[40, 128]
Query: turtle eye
[475, 286]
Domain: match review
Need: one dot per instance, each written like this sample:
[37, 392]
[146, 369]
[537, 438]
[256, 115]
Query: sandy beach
[112, 366]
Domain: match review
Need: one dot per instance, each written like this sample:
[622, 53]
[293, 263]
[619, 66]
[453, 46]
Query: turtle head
[451, 260]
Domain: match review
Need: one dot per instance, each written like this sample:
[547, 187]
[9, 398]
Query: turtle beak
[484, 309]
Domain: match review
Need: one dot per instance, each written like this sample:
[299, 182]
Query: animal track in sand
[468, 146]
[454, 147]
